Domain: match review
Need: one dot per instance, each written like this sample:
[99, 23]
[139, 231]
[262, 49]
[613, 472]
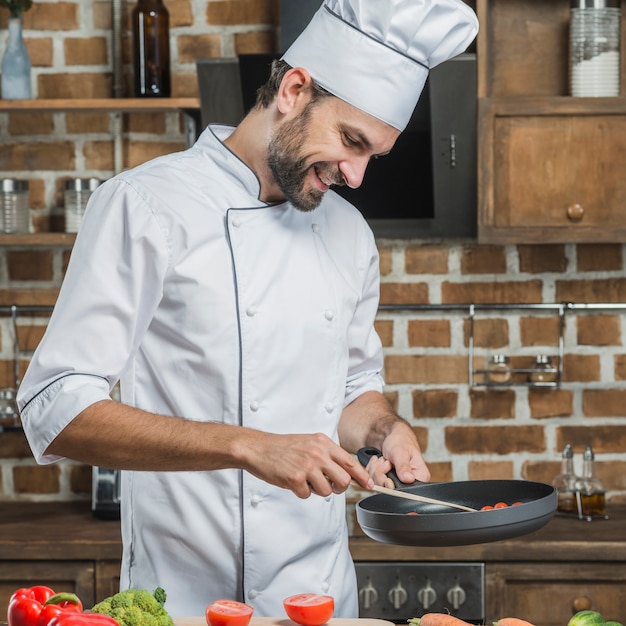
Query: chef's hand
[400, 450]
[305, 464]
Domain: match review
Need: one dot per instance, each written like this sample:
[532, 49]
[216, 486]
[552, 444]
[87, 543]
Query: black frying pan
[389, 519]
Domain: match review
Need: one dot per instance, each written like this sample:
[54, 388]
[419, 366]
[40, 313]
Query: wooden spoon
[412, 496]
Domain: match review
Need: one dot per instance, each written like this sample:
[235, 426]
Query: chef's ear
[295, 85]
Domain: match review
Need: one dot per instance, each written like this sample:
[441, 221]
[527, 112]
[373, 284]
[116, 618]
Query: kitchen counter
[68, 530]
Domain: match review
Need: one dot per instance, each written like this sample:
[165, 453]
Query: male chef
[233, 295]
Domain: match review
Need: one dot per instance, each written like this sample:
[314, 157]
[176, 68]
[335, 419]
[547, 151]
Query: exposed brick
[185, 85]
[181, 13]
[488, 333]
[603, 438]
[80, 479]
[232, 12]
[85, 51]
[29, 335]
[87, 122]
[66, 260]
[544, 258]
[581, 368]
[385, 260]
[550, 403]
[13, 445]
[598, 330]
[422, 435]
[263, 41]
[505, 292]
[426, 369]
[203, 46]
[384, 328]
[441, 472]
[427, 259]
[604, 402]
[52, 16]
[404, 293]
[598, 290]
[30, 264]
[145, 123]
[7, 374]
[57, 155]
[43, 297]
[101, 10]
[434, 333]
[540, 330]
[141, 151]
[492, 404]
[494, 439]
[98, 156]
[490, 470]
[599, 257]
[36, 479]
[483, 259]
[78, 85]
[612, 474]
[392, 398]
[37, 193]
[40, 51]
[541, 471]
[435, 403]
[30, 124]
[619, 366]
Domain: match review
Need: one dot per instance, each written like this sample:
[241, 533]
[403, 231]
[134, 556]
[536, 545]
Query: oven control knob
[368, 595]
[456, 595]
[427, 596]
[397, 595]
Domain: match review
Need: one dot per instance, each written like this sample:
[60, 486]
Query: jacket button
[254, 406]
[236, 222]
[315, 228]
[329, 315]
[329, 407]
[325, 586]
[252, 594]
[255, 499]
[251, 311]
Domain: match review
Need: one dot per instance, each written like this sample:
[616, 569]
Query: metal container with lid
[595, 48]
[14, 206]
[77, 193]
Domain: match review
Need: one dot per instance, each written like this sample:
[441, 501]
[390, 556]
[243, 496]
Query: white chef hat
[376, 54]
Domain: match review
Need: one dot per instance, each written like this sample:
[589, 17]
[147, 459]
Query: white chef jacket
[208, 304]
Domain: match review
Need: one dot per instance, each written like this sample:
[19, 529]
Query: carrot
[512, 621]
[441, 619]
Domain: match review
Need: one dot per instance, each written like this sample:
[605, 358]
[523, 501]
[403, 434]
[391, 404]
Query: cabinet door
[552, 171]
[107, 579]
[546, 594]
[71, 576]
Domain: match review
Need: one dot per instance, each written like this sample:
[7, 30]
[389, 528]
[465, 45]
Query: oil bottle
[590, 488]
[565, 482]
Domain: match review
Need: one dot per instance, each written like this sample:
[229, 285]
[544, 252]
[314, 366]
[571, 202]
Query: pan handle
[365, 454]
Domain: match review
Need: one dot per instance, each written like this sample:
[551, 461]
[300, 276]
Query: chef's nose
[353, 170]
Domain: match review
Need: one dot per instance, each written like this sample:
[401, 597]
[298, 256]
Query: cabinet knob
[575, 213]
[582, 603]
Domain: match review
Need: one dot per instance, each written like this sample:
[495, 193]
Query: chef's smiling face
[323, 143]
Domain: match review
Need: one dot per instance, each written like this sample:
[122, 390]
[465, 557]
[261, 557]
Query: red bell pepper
[82, 619]
[36, 606]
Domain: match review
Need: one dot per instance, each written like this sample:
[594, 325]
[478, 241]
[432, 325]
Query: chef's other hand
[305, 464]
[402, 451]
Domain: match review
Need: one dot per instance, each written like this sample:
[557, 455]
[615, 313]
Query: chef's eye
[349, 140]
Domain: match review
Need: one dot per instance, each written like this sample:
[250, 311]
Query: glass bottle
[16, 65]
[594, 48]
[590, 488]
[151, 49]
[14, 206]
[499, 369]
[544, 371]
[565, 482]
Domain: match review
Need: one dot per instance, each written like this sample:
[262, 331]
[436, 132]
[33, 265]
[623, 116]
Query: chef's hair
[267, 92]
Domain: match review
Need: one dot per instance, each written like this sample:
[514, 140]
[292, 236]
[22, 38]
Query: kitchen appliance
[399, 591]
[389, 519]
[426, 186]
[105, 493]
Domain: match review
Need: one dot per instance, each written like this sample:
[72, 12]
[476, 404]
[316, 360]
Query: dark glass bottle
[151, 49]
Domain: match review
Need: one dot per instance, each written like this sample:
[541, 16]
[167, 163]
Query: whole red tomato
[228, 613]
[309, 609]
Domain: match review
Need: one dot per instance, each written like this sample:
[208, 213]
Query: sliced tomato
[228, 613]
[309, 609]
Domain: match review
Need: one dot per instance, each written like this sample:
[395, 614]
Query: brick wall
[467, 431]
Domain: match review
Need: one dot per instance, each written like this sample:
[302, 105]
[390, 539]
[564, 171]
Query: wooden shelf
[37, 239]
[111, 105]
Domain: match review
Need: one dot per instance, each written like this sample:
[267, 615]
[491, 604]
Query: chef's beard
[289, 167]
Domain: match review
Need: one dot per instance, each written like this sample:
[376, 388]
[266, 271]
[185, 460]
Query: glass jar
[544, 371]
[565, 482]
[595, 48]
[499, 371]
[77, 193]
[590, 488]
[14, 206]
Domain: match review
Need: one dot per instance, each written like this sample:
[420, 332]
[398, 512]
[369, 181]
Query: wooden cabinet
[548, 594]
[550, 166]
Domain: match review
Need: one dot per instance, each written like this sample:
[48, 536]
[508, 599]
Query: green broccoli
[136, 607]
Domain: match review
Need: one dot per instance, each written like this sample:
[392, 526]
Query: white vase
[16, 65]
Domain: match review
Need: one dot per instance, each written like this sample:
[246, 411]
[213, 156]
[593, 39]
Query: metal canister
[14, 206]
[77, 193]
